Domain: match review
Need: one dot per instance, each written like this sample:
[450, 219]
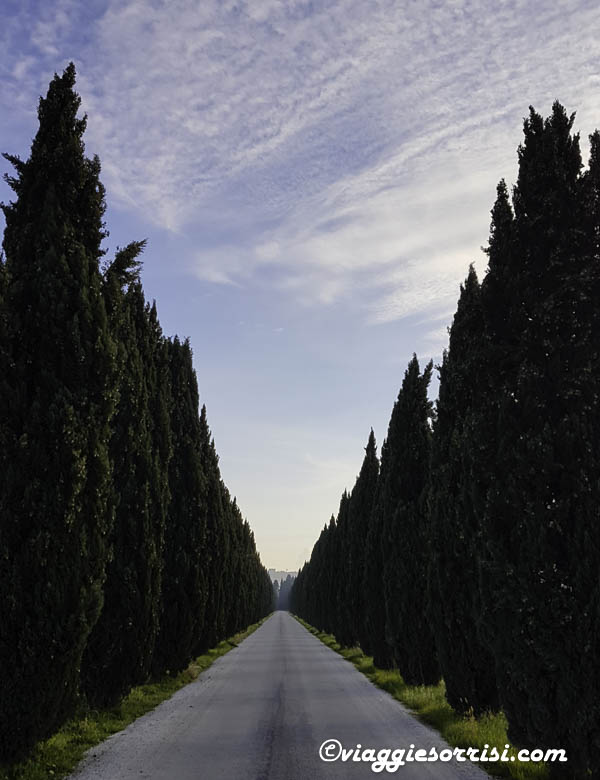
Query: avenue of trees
[471, 550]
[122, 553]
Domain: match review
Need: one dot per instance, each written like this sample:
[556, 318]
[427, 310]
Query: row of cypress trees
[472, 550]
[122, 554]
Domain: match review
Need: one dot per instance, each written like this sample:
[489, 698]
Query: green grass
[428, 703]
[58, 756]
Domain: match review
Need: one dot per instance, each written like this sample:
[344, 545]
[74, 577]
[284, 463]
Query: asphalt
[262, 712]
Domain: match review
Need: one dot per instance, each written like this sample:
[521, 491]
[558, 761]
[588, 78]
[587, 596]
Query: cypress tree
[121, 645]
[266, 597]
[361, 505]
[259, 599]
[184, 587]
[314, 591]
[216, 540]
[5, 361]
[330, 580]
[236, 567]
[160, 404]
[230, 551]
[317, 578]
[323, 579]
[375, 556]
[340, 566]
[542, 586]
[497, 351]
[311, 602]
[408, 629]
[297, 593]
[55, 516]
[378, 550]
[454, 529]
[248, 586]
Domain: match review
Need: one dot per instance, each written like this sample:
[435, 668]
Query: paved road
[261, 712]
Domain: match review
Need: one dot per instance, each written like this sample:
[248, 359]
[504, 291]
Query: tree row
[471, 550]
[122, 553]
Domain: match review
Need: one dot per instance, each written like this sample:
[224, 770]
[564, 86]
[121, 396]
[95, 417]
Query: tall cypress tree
[324, 579]
[5, 361]
[330, 577]
[160, 403]
[497, 355]
[313, 593]
[120, 647]
[359, 510]
[408, 629]
[256, 599]
[340, 562]
[184, 586]
[382, 534]
[542, 586]
[454, 527]
[375, 557]
[54, 510]
[297, 593]
[235, 568]
[216, 540]
[320, 561]
[231, 549]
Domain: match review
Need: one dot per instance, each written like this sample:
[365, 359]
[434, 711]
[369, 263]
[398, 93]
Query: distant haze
[280, 576]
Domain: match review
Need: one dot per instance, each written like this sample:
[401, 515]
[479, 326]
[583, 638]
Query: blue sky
[313, 179]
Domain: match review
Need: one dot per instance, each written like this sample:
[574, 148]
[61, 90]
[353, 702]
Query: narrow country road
[261, 712]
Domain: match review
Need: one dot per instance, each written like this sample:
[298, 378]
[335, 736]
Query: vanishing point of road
[262, 712]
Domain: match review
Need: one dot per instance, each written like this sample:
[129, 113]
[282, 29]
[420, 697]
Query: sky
[314, 179]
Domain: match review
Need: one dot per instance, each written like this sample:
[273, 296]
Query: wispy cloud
[395, 250]
[352, 147]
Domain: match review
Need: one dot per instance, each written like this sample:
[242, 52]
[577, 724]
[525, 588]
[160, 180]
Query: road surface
[262, 712]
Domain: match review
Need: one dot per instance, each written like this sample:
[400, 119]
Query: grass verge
[59, 755]
[428, 703]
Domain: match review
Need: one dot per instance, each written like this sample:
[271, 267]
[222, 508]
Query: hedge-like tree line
[472, 550]
[122, 554]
